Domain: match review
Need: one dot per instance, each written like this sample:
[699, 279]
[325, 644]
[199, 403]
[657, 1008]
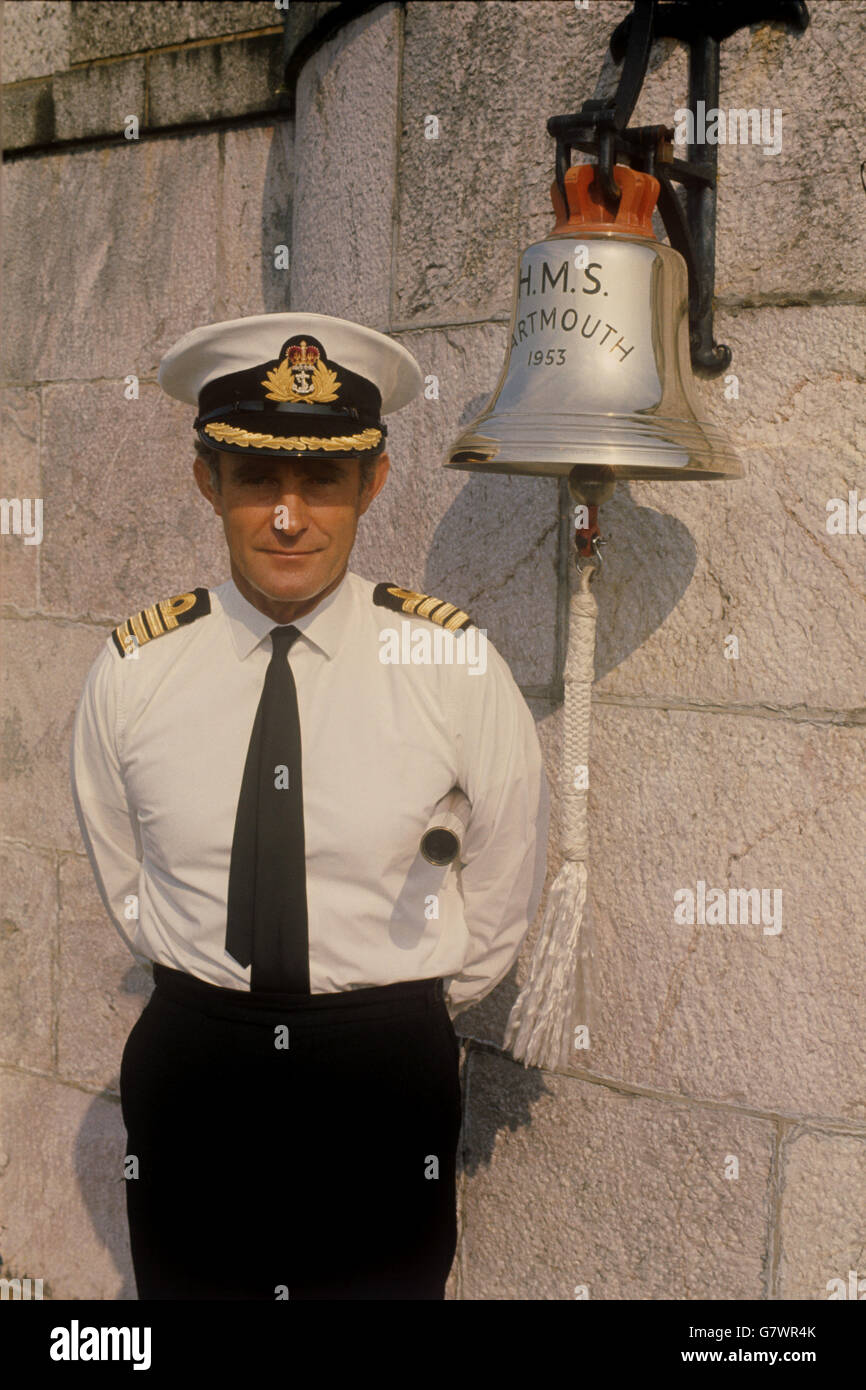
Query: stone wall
[716, 1050]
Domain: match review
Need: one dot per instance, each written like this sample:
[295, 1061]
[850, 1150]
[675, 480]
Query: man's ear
[205, 486]
[376, 483]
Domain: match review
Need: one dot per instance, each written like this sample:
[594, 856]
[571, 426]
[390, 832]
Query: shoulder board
[159, 619]
[447, 615]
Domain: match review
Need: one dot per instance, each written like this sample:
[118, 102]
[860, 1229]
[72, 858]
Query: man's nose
[290, 512]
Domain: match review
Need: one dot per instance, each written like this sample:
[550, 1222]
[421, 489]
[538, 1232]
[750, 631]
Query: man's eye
[324, 478]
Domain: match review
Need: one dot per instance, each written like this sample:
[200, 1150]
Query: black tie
[266, 922]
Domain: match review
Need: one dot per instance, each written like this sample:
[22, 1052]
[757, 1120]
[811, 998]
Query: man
[254, 768]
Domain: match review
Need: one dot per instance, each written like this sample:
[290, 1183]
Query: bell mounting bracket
[600, 129]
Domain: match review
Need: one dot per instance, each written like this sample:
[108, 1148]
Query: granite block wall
[711, 1142]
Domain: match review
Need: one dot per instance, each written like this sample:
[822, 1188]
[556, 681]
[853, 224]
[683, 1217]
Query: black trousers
[299, 1147]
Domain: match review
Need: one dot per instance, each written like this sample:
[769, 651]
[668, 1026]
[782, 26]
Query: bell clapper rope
[553, 1004]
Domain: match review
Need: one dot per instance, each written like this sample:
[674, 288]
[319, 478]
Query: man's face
[290, 524]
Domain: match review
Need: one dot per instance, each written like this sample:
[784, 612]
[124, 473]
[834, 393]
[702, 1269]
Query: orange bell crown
[588, 212]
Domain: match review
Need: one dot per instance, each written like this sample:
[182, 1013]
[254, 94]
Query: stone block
[62, 1190]
[36, 36]
[729, 1012]
[97, 100]
[106, 28]
[135, 528]
[573, 1187]
[19, 449]
[27, 114]
[28, 945]
[345, 187]
[102, 987]
[144, 220]
[790, 224]
[488, 544]
[44, 668]
[823, 1217]
[213, 81]
[255, 218]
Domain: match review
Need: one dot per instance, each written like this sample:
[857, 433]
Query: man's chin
[290, 579]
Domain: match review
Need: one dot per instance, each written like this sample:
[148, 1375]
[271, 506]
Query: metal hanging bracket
[600, 129]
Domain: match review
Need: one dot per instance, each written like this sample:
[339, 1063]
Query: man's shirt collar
[322, 626]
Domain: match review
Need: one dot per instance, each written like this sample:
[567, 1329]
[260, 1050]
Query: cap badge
[301, 375]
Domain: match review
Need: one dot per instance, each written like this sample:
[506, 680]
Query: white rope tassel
[539, 1028]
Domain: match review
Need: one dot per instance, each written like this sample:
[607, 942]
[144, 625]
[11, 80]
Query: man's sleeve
[504, 852]
[108, 826]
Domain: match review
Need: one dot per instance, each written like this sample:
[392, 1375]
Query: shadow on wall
[650, 560]
[276, 223]
[649, 565]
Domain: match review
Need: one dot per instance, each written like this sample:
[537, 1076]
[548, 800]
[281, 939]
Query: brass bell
[598, 383]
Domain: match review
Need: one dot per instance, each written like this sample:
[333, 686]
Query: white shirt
[158, 753]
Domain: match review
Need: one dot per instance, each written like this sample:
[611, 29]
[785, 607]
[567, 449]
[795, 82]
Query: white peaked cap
[237, 345]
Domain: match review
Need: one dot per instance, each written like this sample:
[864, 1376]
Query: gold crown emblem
[303, 354]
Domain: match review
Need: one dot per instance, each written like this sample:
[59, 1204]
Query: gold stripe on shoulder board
[438, 610]
[159, 618]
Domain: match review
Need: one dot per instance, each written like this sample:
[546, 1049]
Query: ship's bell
[598, 382]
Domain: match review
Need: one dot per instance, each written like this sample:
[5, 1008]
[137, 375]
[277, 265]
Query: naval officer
[254, 767]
